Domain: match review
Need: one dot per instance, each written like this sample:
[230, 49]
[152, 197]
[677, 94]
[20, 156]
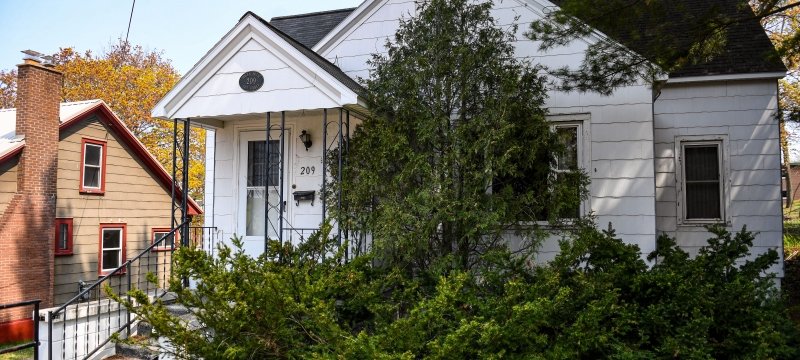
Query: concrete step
[142, 347]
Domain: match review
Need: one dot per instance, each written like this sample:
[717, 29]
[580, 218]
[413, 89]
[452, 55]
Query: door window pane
[261, 173]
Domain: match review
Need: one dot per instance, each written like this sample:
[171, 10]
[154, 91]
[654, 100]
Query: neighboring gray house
[700, 149]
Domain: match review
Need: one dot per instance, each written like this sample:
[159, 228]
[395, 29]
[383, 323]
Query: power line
[129, 22]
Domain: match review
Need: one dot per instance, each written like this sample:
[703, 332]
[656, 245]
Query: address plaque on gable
[251, 81]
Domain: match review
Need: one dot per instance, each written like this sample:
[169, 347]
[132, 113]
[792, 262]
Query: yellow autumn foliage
[130, 80]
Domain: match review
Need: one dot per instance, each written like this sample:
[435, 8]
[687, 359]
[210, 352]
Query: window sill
[545, 225]
[702, 223]
[106, 272]
[64, 253]
[92, 192]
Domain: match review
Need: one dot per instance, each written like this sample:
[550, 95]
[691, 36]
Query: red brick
[26, 226]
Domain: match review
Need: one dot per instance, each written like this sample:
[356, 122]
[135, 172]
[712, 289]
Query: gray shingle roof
[748, 49]
[309, 29]
[326, 65]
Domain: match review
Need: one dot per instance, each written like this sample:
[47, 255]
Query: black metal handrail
[126, 267]
[32, 344]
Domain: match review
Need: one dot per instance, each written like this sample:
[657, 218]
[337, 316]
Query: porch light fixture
[305, 137]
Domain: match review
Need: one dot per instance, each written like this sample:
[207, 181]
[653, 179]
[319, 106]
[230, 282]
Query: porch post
[347, 154]
[174, 171]
[266, 184]
[185, 186]
[179, 208]
[324, 162]
[339, 180]
[282, 202]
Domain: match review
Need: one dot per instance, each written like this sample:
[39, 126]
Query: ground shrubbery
[597, 299]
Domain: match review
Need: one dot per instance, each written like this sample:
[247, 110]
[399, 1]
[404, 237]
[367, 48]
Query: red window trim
[153, 232]
[102, 189]
[123, 258]
[68, 250]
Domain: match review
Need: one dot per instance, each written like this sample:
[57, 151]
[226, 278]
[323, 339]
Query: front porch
[257, 91]
[266, 177]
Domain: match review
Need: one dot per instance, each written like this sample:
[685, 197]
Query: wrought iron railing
[298, 235]
[35, 318]
[205, 238]
[83, 326]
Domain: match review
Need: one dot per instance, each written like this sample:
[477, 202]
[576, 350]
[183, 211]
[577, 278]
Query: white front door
[260, 182]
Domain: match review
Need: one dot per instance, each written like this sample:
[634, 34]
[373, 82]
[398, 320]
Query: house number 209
[307, 170]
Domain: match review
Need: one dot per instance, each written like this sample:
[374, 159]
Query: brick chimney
[38, 105]
[26, 228]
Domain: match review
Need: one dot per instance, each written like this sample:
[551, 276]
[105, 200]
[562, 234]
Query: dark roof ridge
[312, 14]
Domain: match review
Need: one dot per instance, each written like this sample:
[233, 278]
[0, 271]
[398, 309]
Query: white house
[700, 148]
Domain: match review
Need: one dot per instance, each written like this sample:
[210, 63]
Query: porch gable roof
[296, 77]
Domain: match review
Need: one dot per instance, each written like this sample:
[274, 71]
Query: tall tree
[8, 88]
[130, 80]
[457, 147]
[783, 29]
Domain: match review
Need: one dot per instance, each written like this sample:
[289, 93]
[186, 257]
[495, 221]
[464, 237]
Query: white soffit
[315, 87]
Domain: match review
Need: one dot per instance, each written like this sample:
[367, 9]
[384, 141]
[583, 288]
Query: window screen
[702, 181]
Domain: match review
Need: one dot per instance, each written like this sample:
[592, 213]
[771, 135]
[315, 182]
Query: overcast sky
[183, 29]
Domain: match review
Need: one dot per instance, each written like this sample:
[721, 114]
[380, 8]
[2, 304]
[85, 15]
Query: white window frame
[101, 145]
[582, 122]
[120, 248]
[725, 179]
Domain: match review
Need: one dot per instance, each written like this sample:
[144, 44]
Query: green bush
[791, 234]
[597, 299]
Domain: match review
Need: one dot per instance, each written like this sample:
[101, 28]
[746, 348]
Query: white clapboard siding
[743, 112]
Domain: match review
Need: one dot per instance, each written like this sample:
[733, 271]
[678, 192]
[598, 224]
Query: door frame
[244, 136]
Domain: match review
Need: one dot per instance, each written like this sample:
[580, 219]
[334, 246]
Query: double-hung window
[701, 177]
[112, 247]
[569, 130]
[63, 236]
[93, 166]
[569, 161]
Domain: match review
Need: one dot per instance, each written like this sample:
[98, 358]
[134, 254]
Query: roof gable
[295, 77]
[129, 139]
[74, 113]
